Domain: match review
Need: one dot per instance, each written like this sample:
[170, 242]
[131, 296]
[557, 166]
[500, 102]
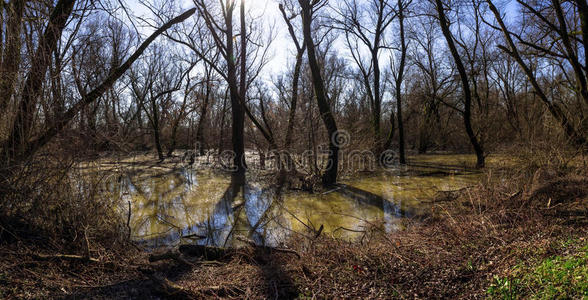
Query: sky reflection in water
[196, 206]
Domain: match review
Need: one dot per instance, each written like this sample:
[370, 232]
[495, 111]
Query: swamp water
[209, 208]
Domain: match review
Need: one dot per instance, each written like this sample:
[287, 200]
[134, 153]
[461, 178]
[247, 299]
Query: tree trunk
[237, 111]
[155, 124]
[290, 166]
[377, 109]
[173, 143]
[221, 139]
[21, 130]
[330, 174]
[390, 136]
[294, 100]
[11, 52]
[465, 83]
[583, 10]
[399, 80]
[571, 52]
[203, 111]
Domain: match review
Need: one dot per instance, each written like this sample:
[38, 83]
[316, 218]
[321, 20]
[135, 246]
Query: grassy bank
[520, 233]
[558, 276]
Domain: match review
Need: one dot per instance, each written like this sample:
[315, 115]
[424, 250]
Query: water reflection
[189, 206]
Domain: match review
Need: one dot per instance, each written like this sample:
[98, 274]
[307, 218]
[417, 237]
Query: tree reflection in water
[188, 206]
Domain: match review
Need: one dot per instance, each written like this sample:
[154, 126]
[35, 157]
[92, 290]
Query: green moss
[557, 277]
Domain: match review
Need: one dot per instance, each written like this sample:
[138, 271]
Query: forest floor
[515, 235]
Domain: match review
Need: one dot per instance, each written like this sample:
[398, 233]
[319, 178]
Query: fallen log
[217, 253]
[207, 252]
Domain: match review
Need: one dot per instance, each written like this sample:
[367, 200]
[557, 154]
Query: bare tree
[366, 26]
[309, 10]
[300, 49]
[19, 147]
[241, 66]
[399, 77]
[436, 76]
[467, 93]
[205, 95]
[575, 135]
[153, 86]
[180, 113]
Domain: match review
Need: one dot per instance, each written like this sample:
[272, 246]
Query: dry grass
[45, 209]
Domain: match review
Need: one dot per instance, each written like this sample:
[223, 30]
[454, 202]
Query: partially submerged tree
[241, 63]
[153, 86]
[300, 49]
[398, 75]
[309, 9]
[465, 81]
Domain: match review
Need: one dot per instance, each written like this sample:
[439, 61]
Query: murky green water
[201, 206]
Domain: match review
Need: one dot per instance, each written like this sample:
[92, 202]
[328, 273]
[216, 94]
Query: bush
[54, 201]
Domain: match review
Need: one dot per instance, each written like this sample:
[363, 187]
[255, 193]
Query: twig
[197, 236]
[347, 229]
[64, 257]
[318, 233]
[330, 191]
[87, 254]
[129, 221]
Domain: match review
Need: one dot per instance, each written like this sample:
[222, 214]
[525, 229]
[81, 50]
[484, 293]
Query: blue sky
[282, 50]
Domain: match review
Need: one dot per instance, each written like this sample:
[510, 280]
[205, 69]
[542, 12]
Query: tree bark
[203, 111]
[583, 10]
[237, 109]
[239, 123]
[571, 52]
[330, 175]
[11, 52]
[465, 83]
[295, 78]
[399, 79]
[155, 124]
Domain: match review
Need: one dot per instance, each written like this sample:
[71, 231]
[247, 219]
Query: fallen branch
[194, 236]
[170, 255]
[64, 257]
[217, 253]
[267, 248]
[318, 233]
